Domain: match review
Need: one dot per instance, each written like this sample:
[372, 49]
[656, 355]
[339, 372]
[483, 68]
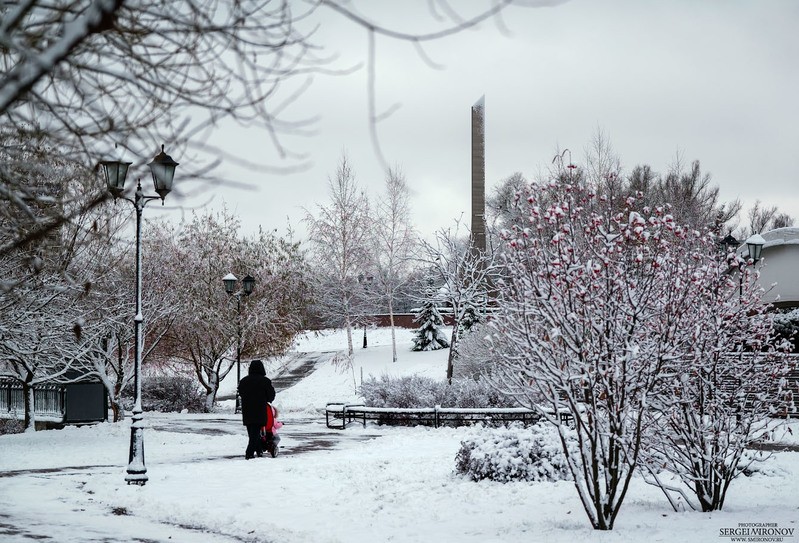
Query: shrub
[11, 426]
[514, 453]
[786, 325]
[408, 391]
[419, 391]
[170, 394]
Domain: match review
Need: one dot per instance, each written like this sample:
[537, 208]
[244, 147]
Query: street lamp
[729, 243]
[247, 286]
[365, 281]
[163, 171]
[755, 244]
[754, 247]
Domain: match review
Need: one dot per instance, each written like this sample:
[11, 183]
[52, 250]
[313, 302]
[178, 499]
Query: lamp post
[247, 286]
[162, 168]
[365, 281]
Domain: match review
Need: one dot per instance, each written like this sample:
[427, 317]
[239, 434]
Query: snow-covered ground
[359, 485]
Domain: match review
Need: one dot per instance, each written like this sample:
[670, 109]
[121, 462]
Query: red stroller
[269, 436]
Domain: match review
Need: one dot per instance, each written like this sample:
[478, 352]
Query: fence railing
[48, 400]
[339, 414]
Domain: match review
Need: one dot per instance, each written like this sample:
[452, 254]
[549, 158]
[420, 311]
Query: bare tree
[394, 244]
[206, 327]
[760, 217]
[693, 198]
[339, 235]
[603, 167]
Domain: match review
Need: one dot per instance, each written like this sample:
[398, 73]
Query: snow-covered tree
[591, 314]
[467, 276]
[429, 336]
[204, 332]
[340, 236]
[500, 204]
[38, 343]
[88, 74]
[109, 325]
[45, 310]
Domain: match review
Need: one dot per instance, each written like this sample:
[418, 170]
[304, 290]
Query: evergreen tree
[471, 317]
[429, 336]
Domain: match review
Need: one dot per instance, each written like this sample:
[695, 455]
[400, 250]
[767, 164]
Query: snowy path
[294, 368]
[211, 442]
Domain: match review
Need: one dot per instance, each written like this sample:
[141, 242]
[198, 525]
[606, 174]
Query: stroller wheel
[274, 450]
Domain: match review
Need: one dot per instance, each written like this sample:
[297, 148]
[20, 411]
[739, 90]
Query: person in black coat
[256, 392]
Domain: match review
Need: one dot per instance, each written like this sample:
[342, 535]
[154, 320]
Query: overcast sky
[714, 81]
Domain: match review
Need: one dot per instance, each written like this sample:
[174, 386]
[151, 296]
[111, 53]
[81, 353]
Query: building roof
[781, 236]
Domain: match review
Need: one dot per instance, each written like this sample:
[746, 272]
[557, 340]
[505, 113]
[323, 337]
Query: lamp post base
[238, 405]
[137, 471]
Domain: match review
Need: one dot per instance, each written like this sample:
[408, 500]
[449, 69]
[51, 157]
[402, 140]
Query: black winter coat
[256, 391]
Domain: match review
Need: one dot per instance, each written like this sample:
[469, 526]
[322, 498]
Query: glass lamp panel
[249, 284]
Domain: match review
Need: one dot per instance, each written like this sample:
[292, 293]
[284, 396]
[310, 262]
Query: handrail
[49, 400]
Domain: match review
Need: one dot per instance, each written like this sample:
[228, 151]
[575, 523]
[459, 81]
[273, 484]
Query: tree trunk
[452, 353]
[393, 332]
[349, 335]
[210, 392]
[115, 399]
[30, 415]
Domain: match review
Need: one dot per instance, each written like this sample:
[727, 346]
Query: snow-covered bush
[786, 325]
[480, 393]
[419, 391]
[170, 394]
[513, 453]
[408, 391]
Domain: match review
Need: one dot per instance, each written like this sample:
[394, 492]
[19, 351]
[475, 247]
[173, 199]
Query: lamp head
[115, 172]
[249, 284]
[755, 244]
[163, 170]
[230, 283]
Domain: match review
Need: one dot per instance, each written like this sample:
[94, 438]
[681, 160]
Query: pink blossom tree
[592, 315]
[720, 394]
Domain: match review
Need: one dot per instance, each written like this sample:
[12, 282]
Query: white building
[779, 266]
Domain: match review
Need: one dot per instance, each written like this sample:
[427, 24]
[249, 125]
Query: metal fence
[48, 400]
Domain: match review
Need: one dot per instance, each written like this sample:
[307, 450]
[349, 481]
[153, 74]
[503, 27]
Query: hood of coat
[257, 368]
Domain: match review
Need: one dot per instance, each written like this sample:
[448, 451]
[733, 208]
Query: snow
[373, 484]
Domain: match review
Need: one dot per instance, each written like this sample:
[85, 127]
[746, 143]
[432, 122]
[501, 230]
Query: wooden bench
[339, 414]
